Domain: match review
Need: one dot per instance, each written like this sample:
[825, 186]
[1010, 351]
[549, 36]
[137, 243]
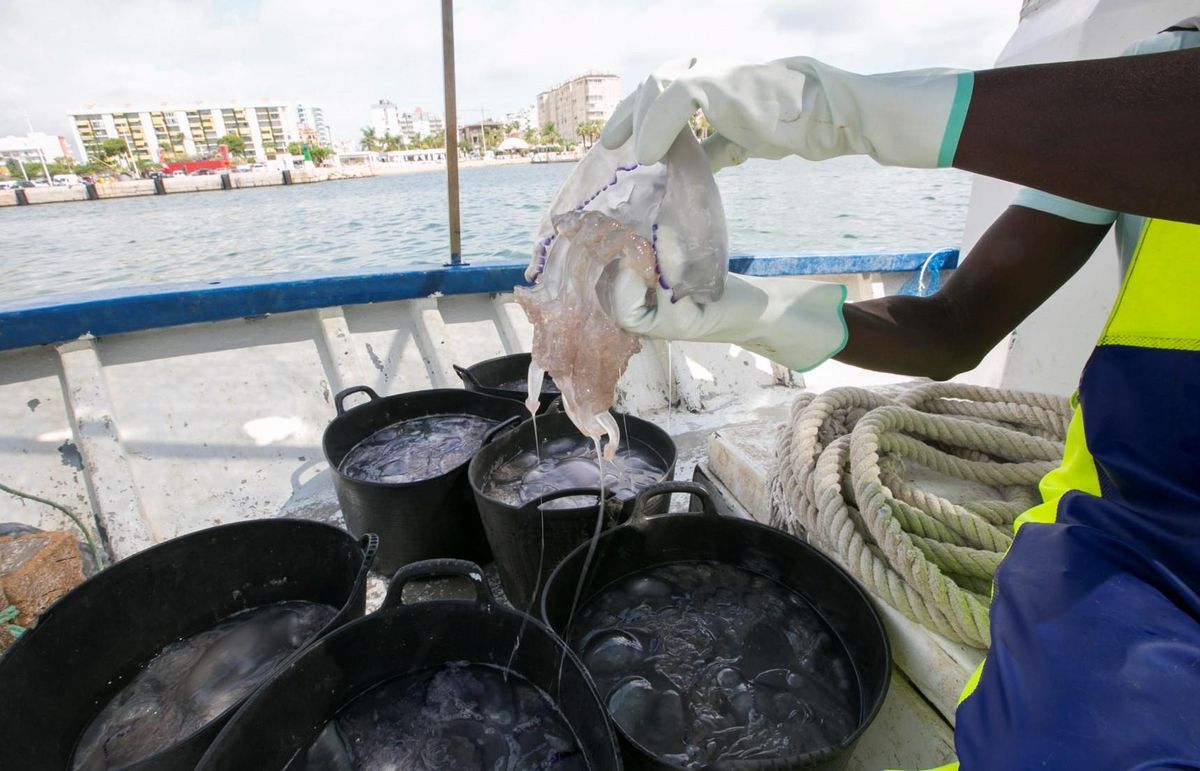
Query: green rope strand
[97, 553]
[6, 617]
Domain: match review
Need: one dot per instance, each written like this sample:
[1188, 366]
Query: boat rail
[61, 318]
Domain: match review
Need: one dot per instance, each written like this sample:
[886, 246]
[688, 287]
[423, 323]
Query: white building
[169, 133]
[312, 119]
[387, 118]
[525, 118]
[591, 96]
[34, 147]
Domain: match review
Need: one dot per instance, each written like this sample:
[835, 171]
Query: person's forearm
[904, 335]
[1022, 259]
[1116, 133]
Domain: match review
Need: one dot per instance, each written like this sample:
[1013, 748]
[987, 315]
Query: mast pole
[451, 132]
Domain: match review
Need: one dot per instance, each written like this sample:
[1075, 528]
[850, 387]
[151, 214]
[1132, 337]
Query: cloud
[345, 56]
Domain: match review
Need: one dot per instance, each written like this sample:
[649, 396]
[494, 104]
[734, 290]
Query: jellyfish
[663, 221]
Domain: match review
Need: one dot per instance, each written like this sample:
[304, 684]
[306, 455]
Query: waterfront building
[525, 118]
[591, 96]
[34, 147]
[472, 135]
[312, 126]
[165, 134]
[387, 118]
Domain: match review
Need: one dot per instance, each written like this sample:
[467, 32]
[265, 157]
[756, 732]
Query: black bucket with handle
[284, 717]
[59, 675]
[506, 377]
[532, 535]
[425, 519]
[647, 540]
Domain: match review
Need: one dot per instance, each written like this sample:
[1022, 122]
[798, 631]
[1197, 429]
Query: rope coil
[840, 482]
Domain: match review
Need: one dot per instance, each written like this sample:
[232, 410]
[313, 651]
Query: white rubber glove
[794, 322]
[797, 106]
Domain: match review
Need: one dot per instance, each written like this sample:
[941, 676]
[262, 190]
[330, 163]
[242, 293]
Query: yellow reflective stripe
[1156, 307]
[1077, 472]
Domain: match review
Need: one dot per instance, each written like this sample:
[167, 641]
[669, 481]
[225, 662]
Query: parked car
[178, 173]
[25, 183]
[258, 167]
[9, 185]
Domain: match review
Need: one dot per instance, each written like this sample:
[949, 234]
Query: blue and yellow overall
[1095, 656]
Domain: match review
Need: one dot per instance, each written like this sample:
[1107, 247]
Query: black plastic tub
[516, 534]
[431, 518]
[285, 716]
[496, 376]
[647, 540]
[60, 674]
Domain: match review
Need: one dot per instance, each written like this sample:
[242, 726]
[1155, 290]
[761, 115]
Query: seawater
[395, 222]
[460, 717]
[522, 385]
[571, 461]
[192, 682]
[416, 449]
[703, 662]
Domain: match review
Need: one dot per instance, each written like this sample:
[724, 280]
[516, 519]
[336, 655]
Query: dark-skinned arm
[1115, 133]
[1022, 259]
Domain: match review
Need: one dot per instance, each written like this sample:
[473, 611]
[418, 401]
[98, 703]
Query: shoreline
[37, 196]
[417, 167]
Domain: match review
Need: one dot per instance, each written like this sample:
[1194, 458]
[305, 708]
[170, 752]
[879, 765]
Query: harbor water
[394, 222]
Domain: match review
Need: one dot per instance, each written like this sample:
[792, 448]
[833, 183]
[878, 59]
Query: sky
[66, 55]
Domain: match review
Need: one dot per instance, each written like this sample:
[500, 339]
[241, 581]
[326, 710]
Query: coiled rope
[840, 482]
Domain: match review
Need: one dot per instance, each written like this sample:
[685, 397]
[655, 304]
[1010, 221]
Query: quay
[169, 185]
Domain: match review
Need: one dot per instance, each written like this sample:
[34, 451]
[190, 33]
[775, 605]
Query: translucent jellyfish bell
[663, 221]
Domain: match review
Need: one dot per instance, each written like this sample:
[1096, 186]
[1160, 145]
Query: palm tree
[369, 141]
[589, 131]
[390, 143]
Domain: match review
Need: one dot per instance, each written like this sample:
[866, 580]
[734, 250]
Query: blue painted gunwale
[61, 318]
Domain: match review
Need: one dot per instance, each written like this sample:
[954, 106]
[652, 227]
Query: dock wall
[171, 185]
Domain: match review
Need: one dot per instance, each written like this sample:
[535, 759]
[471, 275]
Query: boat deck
[156, 414]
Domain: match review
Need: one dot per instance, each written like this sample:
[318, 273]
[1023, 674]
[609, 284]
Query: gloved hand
[794, 322]
[797, 106]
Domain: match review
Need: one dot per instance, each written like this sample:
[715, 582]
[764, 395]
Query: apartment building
[387, 118]
[525, 118]
[313, 126]
[166, 133]
[34, 147]
[591, 96]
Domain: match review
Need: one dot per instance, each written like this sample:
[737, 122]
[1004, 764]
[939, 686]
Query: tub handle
[437, 568]
[642, 501]
[496, 430]
[612, 506]
[341, 396]
[369, 544]
[466, 376]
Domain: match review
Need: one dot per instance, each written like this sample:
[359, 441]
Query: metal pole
[451, 131]
[41, 152]
[46, 171]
